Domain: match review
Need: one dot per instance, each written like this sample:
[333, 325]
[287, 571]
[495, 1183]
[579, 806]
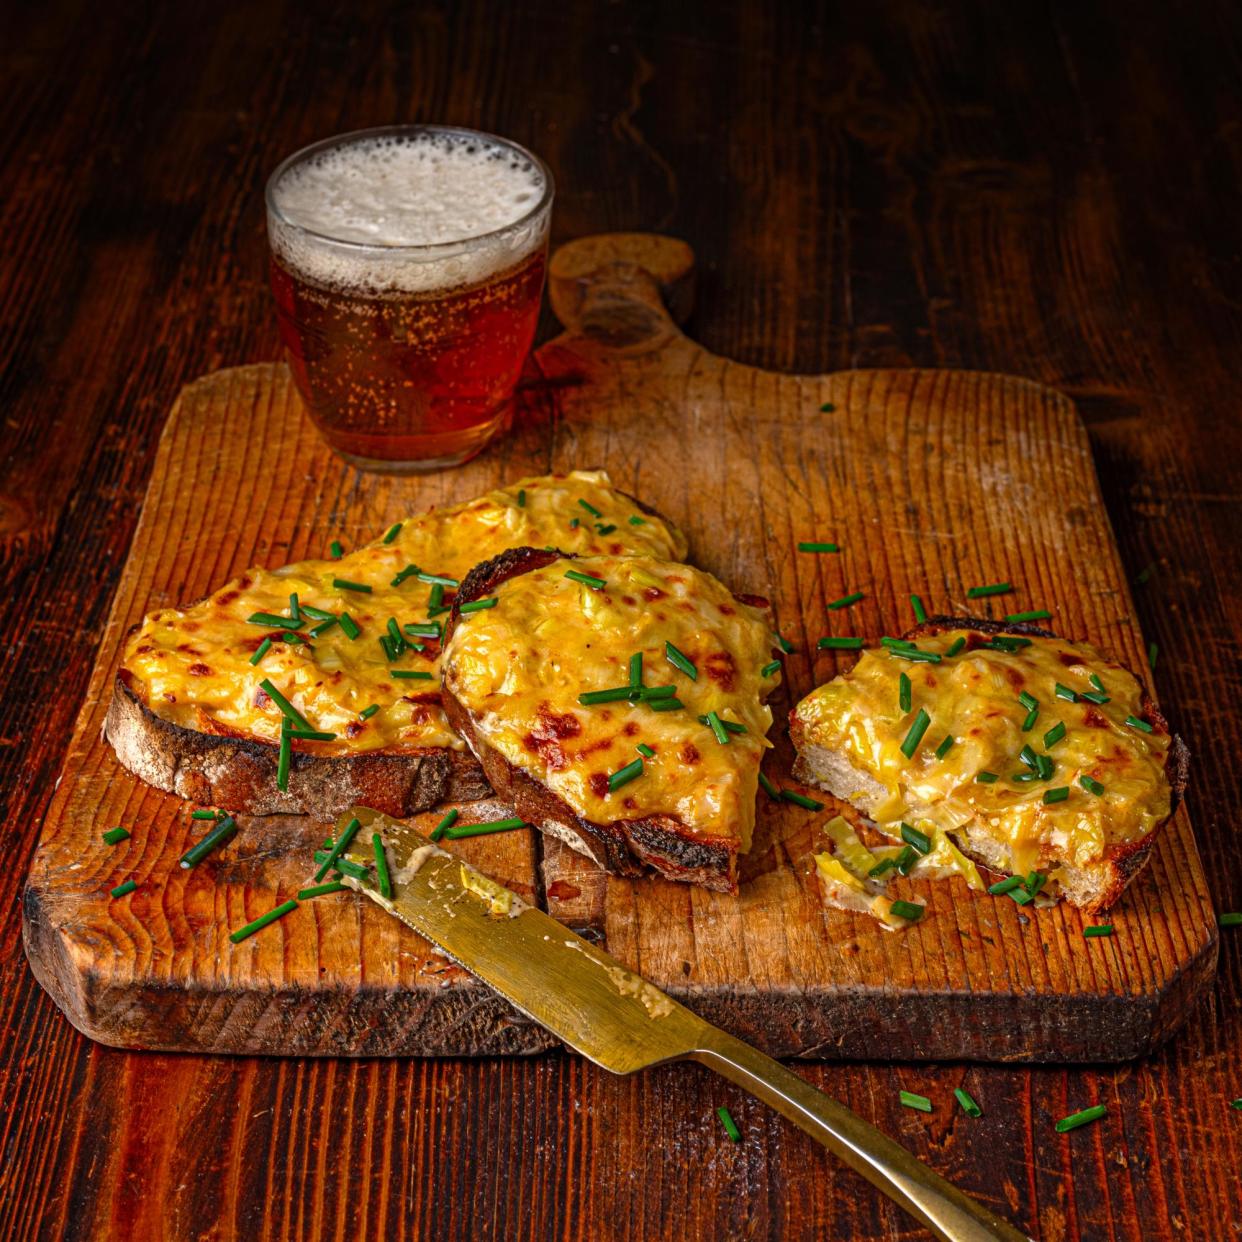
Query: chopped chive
[846, 600]
[768, 788]
[1054, 735]
[906, 860]
[574, 523]
[730, 1126]
[1045, 767]
[731, 725]
[1027, 755]
[909, 1098]
[596, 584]
[916, 839]
[292, 636]
[336, 550]
[1135, 723]
[422, 629]
[969, 1107]
[664, 705]
[1231, 918]
[635, 520]
[901, 644]
[945, 746]
[1098, 929]
[1060, 794]
[272, 619]
[321, 890]
[992, 588]
[904, 693]
[1236, 1103]
[1035, 881]
[460, 831]
[1007, 885]
[295, 613]
[590, 508]
[1091, 697]
[350, 626]
[808, 804]
[262, 921]
[809, 546]
[1031, 717]
[323, 627]
[605, 696]
[477, 605]
[344, 584]
[368, 712]
[623, 776]
[284, 757]
[785, 645]
[1007, 643]
[1074, 1120]
[885, 864]
[1064, 692]
[437, 579]
[827, 408]
[286, 708]
[920, 613]
[636, 669]
[840, 644]
[717, 727]
[1153, 651]
[263, 648]
[1035, 614]
[987, 778]
[393, 531]
[1091, 785]
[217, 836]
[435, 596]
[1021, 896]
[915, 734]
[1020, 777]
[1094, 679]
[913, 653]
[334, 854]
[114, 836]
[1145, 574]
[768, 669]
[907, 910]
[604, 529]
[206, 815]
[679, 660]
[409, 674]
[450, 818]
[1028, 700]
[124, 889]
[317, 614]
[645, 750]
[955, 646]
[343, 865]
[381, 865]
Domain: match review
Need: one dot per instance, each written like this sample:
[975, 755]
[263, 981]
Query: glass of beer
[408, 267]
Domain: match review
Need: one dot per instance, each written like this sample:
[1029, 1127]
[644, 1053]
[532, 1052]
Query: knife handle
[940, 1206]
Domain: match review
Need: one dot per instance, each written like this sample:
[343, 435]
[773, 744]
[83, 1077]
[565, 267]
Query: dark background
[1048, 190]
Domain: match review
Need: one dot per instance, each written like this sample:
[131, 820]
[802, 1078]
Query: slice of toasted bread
[190, 713]
[1091, 845]
[514, 672]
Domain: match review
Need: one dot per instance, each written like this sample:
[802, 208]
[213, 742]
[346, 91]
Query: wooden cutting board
[930, 481]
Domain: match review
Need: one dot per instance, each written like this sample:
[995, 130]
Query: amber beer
[407, 267]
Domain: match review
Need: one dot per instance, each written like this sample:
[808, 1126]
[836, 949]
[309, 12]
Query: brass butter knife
[619, 1020]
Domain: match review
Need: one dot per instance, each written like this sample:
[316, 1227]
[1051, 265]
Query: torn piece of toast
[1033, 753]
[618, 704]
[356, 657]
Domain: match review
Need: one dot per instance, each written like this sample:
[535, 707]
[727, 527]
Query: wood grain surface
[930, 481]
[1049, 190]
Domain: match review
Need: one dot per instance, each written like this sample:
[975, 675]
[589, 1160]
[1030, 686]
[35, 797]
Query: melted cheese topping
[520, 667]
[973, 696]
[192, 666]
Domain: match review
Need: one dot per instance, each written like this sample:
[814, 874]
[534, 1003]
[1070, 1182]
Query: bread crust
[239, 773]
[1109, 876]
[661, 843]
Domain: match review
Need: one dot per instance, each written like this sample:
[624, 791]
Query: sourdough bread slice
[1090, 844]
[515, 671]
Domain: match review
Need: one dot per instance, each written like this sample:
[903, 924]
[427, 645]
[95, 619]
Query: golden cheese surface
[520, 668]
[194, 666]
[973, 697]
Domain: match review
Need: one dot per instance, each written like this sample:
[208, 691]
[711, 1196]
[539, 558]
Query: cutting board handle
[624, 291]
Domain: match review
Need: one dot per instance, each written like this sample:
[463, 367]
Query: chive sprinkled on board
[1021, 896]
[206, 815]
[263, 921]
[459, 832]
[321, 890]
[393, 531]
[1007, 885]
[623, 776]
[992, 588]
[807, 804]
[336, 550]
[445, 824]
[827, 408]
[945, 746]
[915, 734]
[840, 644]
[216, 837]
[1035, 881]
[1098, 929]
[909, 910]
[730, 1126]
[768, 788]
[381, 865]
[717, 727]
[286, 708]
[343, 865]
[1054, 735]
[809, 545]
[596, 584]
[114, 836]
[969, 1107]
[1074, 1120]
[1141, 725]
[1034, 614]
[1231, 918]
[1091, 785]
[680, 661]
[785, 645]
[987, 778]
[1064, 692]
[342, 844]
[125, 888]
[846, 600]
[284, 757]
[345, 584]
[904, 693]
[1060, 794]
[912, 1100]
[350, 626]
[1144, 575]
[1153, 651]
[477, 605]
[768, 669]
[920, 613]
[916, 839]
[954, 647]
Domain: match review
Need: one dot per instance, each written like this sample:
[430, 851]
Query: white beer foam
[423, 189]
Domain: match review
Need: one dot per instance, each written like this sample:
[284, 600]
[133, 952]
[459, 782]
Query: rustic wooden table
[1047, 191]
